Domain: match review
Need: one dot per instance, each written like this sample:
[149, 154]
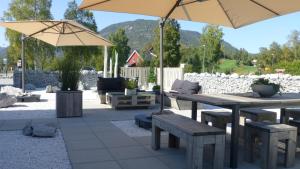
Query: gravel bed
[22, 152]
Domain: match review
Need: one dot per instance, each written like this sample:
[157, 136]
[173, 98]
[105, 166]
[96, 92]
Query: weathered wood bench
[270, 134]
[256, 114]
[293, 113]
[218, 118]
[196, 135]
[296, 123]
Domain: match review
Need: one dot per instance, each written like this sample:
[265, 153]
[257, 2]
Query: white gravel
[22, 152]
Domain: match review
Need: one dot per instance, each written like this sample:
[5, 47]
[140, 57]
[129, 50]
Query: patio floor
[94, 142]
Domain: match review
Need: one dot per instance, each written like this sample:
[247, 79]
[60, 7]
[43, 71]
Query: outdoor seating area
[72, 99]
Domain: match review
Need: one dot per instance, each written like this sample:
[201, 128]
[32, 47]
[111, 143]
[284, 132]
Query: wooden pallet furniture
[196, 135]
[270, 135]
[119, 100]
[296, 123]
[218, 118]
[293, 113]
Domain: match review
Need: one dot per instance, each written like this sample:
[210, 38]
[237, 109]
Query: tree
[120, 40]
[210, 45]
[171, 46]
[37, 53]
[88, 55]
[294, 43]
[242, 57]
[191, 57]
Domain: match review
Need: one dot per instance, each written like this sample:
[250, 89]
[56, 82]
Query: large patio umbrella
[231, 13]
[56, 33]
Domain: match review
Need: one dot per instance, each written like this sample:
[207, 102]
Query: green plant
[152, 76]
[131, 84]
[156, 88]
[262, 81]
[69, 69]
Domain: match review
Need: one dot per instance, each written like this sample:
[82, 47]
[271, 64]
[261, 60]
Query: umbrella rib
[98, 3]
[49, 25]
[231, 22]
[44, 29]
[91, 33]
[191, 2]
[75, 34]
[263, 6]
[173, 8]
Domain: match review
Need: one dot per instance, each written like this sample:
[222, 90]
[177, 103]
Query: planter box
[68, 104]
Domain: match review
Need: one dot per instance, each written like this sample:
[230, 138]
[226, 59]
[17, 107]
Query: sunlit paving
[139, 84]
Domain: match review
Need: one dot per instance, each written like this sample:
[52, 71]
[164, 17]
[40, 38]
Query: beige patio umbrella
[231, 13]
[56, 33]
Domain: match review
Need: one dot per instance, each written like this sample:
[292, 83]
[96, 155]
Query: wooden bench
[270, 134]
[296, 123]
[196, 135]
[256, 114]
[293, 113]
[219, 119]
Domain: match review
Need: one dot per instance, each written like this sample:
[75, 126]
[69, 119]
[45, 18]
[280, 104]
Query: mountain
[141, 32]
[2, 52]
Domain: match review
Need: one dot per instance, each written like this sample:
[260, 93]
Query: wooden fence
[142, 73]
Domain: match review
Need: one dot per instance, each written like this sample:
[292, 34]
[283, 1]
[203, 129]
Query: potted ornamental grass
[131, 87]
[69, 98]
[265, 88]
[151, 78]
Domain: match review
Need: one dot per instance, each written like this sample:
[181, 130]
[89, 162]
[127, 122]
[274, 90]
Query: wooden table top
[244, 99]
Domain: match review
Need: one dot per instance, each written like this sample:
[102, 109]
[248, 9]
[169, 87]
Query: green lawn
[230, 66]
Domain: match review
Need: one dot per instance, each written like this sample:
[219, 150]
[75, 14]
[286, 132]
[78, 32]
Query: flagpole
[23, 64]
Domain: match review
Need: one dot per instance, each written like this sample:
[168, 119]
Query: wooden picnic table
[237, 101]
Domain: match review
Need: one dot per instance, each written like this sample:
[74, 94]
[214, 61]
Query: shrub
[131, 84]
[69, 69]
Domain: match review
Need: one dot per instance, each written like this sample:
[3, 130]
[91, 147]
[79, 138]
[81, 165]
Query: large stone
[27, 130]
[7, 100]
[12, 91]
[43, 130]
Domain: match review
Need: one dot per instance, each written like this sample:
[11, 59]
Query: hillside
[140, 32]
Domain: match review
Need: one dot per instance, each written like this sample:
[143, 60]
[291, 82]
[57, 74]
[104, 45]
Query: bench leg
[219, 152]
[155, 137]
[174, 142]
[249, 146]
[290, 150]
[194, 153]
[269, 150]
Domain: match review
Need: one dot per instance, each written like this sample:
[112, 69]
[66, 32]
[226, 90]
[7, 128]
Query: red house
[134, 59]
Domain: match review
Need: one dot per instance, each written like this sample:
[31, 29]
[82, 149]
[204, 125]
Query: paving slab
[174, 161]
[89, 156]
[99, 165]
[84, 144]
[129, 152]
[143, 163]
[118, 139]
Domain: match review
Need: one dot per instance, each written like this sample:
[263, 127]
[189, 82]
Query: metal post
[161, 26]
[116, 64]
[23, 64]
[203, 59]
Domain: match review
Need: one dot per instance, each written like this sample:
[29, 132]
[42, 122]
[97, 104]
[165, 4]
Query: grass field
[230, 66]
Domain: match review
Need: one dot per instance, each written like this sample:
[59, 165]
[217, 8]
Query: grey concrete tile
[99, 165]
[146, 140]
[14, 124]
[164, 150]
[144, 163]
[174, 161]
[93, 155]
[84, 144]
[129, 152]
[118, 139]
[78, 136]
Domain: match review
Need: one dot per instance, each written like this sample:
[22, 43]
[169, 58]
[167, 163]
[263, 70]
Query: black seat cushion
[177, 85]
[190, 87]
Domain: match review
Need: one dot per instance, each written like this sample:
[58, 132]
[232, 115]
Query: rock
[7, 100]
[55, 89]
[27, 130]
[42, 130]
[49, 89]
[30, 86]
[12, 91]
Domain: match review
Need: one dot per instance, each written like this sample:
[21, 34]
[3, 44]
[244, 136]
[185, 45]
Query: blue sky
[251, 37]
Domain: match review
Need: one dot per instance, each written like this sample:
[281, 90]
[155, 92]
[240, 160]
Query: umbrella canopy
[231, 13]
[58, 33]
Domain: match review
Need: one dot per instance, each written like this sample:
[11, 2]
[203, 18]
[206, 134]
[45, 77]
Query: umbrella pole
[23, 64]
[161, 26]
